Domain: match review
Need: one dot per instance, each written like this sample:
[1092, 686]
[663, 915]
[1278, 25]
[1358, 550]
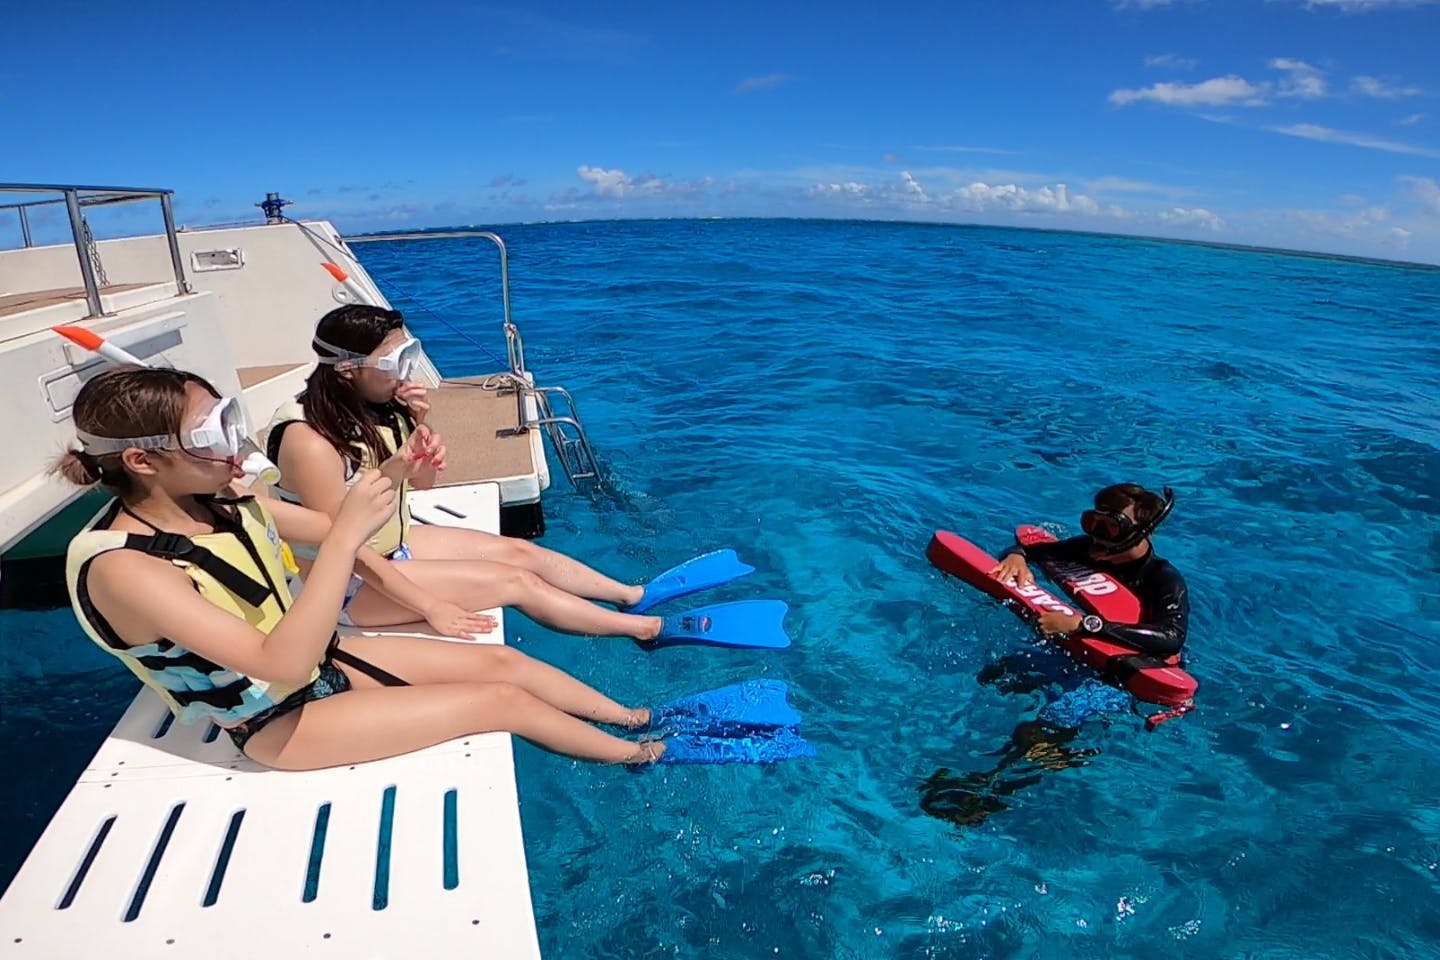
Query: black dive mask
[1116, 532]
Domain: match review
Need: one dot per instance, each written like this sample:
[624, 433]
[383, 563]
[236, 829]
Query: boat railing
[562, 425]
[76, 200]
[514, 345]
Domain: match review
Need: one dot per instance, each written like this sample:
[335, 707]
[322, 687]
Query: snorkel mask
[1116, 532]
[219, 437]
[399, 363]
[223, 435]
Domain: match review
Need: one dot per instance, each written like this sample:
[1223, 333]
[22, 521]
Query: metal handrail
[76, 198]
[576, 455]
[514, 346]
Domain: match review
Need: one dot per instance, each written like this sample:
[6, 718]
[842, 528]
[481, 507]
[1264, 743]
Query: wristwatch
[1091, 624]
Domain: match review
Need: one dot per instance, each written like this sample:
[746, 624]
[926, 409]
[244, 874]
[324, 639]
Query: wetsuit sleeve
[1166, 604]
[1075, 549]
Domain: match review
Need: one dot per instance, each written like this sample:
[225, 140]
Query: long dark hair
[120, 403]
[332, 405]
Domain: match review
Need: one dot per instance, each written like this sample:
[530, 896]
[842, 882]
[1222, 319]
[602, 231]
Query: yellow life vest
[389, 538]
[239, 568]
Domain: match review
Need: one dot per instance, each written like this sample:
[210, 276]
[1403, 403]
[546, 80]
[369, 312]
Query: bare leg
[421, 661]
[567, 573]
[479, 584]
[362, 725]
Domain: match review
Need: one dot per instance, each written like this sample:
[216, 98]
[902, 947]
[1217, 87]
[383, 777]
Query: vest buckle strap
[170, 546]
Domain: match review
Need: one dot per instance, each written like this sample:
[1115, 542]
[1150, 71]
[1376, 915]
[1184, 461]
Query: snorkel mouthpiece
[257, 465]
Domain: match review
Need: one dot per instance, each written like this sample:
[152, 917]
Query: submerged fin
[771, 746]
[751, 705]
[696, 574]
[743, 623]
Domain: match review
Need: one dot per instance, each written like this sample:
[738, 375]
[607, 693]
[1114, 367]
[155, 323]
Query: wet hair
[1116, 497]
[121, 402]
[333, 407]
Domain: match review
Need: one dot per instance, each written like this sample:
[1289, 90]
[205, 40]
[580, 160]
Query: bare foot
[647, 751]
[636, 717]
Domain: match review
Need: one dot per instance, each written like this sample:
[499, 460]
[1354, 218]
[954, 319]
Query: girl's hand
[412, 456]
[416, 397]
[451, 620]
[366, 507]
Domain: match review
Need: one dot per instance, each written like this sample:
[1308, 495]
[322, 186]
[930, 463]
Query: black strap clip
[168, 546]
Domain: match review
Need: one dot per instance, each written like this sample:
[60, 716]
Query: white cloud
[1375, 87]
[1191, 217]
[1171, 61]
[1141, 4]
[913, 186]
[1398, 237]
[849, 188]
[618, 185]
[973, 197]
[1219, 91]
[1362, 5]
[1124, 185]
[767, 82]
[1426, 191]
[1349, 225]
[1411, 120]
[1304, 81]
[1002, 201]
[1299, 80]
[1057, 199]
[1312, 131]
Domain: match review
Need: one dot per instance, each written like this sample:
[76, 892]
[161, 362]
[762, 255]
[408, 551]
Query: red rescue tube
[1146, 678]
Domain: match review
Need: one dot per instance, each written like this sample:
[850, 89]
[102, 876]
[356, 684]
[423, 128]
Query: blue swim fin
[751, 705]
[771, 746]
[743, 623]
[700, 573]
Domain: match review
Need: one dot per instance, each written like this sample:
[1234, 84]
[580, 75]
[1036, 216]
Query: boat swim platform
[480, 429]
[172, 842]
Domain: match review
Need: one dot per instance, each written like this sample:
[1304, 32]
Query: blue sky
[1312, 124]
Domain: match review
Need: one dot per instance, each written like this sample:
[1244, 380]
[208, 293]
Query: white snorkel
[224, 431]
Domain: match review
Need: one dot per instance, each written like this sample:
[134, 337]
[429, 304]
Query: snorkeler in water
[1116, 541]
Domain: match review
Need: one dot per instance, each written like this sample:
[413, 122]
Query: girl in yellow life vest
[184, 582]
[358, 408]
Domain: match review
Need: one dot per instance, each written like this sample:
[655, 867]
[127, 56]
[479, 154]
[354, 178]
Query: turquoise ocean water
[821, 396]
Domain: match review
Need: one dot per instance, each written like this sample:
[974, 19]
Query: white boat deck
[171, 841]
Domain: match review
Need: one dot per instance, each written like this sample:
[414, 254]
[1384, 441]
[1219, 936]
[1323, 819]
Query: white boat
[171, 840]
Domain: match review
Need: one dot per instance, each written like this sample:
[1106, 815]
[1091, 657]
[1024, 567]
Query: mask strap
[1142, 530]
[98, 446]
[341, 354]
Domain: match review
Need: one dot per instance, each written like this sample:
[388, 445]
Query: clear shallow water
[821, 396]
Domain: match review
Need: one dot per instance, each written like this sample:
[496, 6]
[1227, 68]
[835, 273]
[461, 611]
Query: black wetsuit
[1164, 602]
[1042, 743]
